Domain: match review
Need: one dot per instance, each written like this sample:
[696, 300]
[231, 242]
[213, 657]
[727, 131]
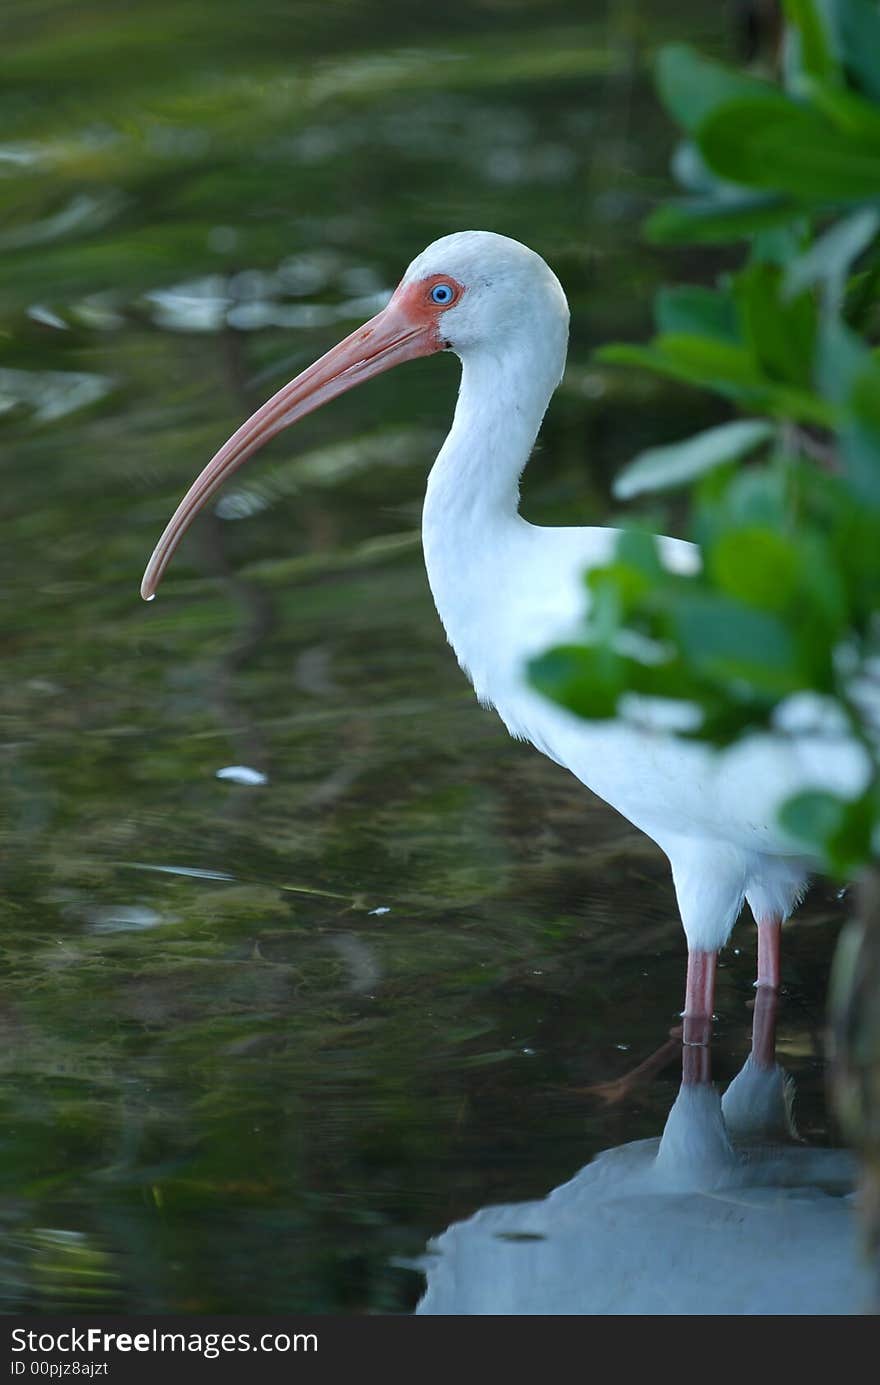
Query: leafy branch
[785, 497]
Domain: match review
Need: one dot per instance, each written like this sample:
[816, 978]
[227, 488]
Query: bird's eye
[442, 294]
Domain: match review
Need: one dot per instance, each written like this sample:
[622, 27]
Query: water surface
[304, 960]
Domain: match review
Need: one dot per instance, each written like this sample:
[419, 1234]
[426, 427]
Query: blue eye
[442, 294]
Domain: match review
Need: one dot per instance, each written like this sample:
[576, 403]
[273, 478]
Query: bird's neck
[473, 488]
[475, 541]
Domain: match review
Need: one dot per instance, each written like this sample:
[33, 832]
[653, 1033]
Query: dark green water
[260, 1041]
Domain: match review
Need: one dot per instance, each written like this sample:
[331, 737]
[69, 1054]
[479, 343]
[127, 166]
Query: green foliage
[830, 824]
[786, 505]
[660, 467]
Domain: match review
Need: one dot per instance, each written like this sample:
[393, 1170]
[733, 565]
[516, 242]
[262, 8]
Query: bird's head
[482, 290]
[470, 292]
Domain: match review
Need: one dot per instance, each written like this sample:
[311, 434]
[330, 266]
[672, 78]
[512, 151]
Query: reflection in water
[726, 1213]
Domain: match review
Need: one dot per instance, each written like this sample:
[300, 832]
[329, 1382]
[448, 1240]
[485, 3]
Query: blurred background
[302, 958]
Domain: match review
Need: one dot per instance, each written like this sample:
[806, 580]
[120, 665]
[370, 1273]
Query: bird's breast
[508, 596]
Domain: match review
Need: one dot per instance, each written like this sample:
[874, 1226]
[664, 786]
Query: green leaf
[841, 357]
[581, 677]
[850, 374]
[817, 55]
[853, 116]
[660, 467]
[724, 367]
[707, 360]
[691, 309]
[640, 550]
[813, 816]
[733, 643]
[734, 372]
[616, 589]
[857, 23]
[692, 87]
[776, 245]
[829, 258]
[789, 149]
[758, 496]
[781, 332]
[628, 353]
[757, 566]
[837, 830]
[860, 451]
[708, 219]
[825, 597]
[794, 574]
[864, 394]
[578, 677]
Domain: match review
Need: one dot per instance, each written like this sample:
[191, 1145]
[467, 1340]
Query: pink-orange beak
[406, 328]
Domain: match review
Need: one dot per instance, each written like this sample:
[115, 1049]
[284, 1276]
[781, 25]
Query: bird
[727, 1213]
[506, 590]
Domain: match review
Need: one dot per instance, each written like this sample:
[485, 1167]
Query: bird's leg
[764, 1027]
[696, 1064]
[691, 1037]
[699, 997]
[769, 936]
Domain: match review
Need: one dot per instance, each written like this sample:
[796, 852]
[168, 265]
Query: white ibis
[505, 590]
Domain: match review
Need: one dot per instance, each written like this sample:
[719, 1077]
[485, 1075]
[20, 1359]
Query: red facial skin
[408, 327]
[416, 301]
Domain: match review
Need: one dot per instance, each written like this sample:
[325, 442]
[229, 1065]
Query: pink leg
[696, 1068]
[764, 1027]
[699, 997]
[769, 935]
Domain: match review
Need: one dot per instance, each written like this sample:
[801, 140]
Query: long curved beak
[399, 333]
